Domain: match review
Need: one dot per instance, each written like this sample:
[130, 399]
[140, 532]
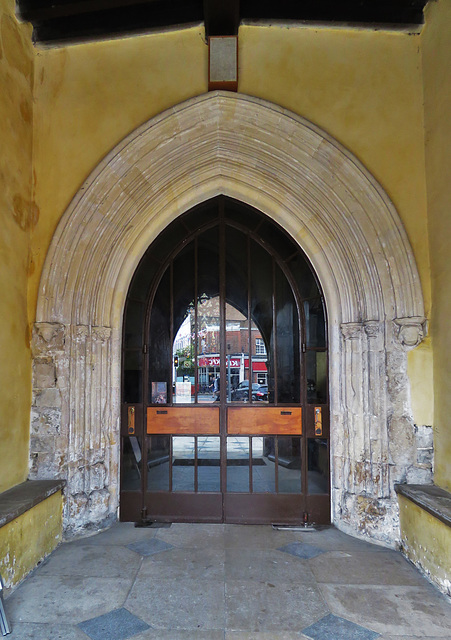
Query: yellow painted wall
[364, 87]
[436, 47]
[17, 217]
[27, 540]
[426, 541]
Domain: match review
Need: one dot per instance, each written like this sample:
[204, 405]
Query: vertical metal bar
[222, 350]
[196, 297]
[274, 328]
[170, 462]
[276, 461]
[251, 483]
[196, 485]
[249, 315]
[171, 326]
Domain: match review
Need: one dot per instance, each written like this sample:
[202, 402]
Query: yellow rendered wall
[436, 47]
[426, 541]
[28, 539]
[17, 217]
[362, 86]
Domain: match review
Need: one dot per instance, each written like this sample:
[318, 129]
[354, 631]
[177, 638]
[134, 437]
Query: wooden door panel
[264, 421]
[183, 420]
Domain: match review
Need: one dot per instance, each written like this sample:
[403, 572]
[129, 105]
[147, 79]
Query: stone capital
[351, 330]
[409, 332]
[48, 338]
[373, 328]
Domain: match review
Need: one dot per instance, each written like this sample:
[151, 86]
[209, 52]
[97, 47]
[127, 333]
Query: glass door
[231, 422]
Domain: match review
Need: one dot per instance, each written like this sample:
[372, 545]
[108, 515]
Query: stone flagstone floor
[226, 582]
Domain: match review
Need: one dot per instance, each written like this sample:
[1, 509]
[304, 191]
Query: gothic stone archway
[256, 152]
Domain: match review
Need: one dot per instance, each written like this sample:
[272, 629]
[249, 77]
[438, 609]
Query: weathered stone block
[44, 375]
[47, 398]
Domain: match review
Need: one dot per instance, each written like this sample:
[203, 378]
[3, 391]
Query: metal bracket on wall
[4, 626]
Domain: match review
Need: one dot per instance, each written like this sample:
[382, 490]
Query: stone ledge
[430, 498]
[16, 501]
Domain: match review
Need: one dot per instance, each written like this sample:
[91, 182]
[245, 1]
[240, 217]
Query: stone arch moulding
[274, 160]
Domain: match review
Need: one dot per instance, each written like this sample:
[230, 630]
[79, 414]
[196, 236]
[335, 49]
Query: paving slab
[264, 606]
[64, 599]
[104, 561]
[193, 536]
[396, 610]
[178, 604]
[183, 564]
[264, 635]
[266, 565]
[363, 567]
[120, 533]
[34, 631]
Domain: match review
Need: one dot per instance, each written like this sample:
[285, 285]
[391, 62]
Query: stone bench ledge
[16, 501]
[430, 498]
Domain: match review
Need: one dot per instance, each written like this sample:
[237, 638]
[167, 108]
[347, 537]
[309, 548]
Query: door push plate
[131, 421]
[318, 422]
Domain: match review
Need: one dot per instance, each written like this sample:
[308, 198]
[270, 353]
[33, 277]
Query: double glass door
[225, 411]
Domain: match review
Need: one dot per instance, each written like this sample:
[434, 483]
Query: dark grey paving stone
[150, 547]
[193, 564]
[181, 634]
[264, 635]
[332, 539]
[392, 610]
[91, 560]
[65, 599]
[334, 628]
[178, 604]
[33, 631]
[301, 550]
[253, 606]
[362, 567]
[115, 625]
[266, 565]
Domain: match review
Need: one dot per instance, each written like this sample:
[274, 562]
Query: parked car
[241, 393]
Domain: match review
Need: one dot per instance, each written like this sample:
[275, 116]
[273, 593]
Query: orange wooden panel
[264, 420]
[183, 420]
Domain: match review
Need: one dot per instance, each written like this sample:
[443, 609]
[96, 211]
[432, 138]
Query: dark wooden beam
[222, 18]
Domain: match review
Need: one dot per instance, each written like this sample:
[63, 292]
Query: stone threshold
[430, 498]
[16, 501]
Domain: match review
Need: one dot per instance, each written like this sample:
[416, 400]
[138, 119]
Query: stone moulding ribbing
[276, 161]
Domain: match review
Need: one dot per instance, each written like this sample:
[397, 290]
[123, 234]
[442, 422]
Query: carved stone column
[72, 419]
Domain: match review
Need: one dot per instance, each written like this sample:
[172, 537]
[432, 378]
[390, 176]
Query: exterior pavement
[225, 582]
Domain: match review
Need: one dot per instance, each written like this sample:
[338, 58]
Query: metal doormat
[291, 527]
[4, 626]
[151, 524]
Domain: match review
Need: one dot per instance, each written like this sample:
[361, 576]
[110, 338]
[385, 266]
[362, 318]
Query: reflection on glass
[263, 465]
[183, 454]
[289, 467]
[288, 354]
[158, 463]
[318, 466]
[237, 464]
[183, 348]
[133, 362]
[237, 355]
[208, 348]
[131, 464]
[261, 303]
[160, 336]
[315, 326]
[316, 369]
[208, 464]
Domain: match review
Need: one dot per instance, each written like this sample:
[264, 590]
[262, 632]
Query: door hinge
[303, 347]
[145, 348]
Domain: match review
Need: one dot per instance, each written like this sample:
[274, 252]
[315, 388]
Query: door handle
[161, 412]
[131, 421]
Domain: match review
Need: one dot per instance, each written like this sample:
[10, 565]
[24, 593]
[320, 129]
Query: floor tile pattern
[335, 628]
[116, 625]
[226, 582]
